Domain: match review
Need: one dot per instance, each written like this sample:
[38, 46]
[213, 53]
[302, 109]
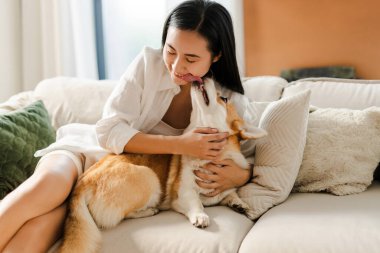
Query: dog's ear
[248, 132]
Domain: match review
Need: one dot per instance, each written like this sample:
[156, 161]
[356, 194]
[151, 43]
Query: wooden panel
[282, 34]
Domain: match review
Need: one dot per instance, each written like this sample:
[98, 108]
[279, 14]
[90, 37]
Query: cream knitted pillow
[342, 151]
[278, 156]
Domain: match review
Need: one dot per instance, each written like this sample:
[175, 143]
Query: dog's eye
[224, 99]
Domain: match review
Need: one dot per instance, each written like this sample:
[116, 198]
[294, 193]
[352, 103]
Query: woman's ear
[216, 58]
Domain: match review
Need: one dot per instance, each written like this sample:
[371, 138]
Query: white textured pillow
[264, 88]
[278, 156]
[342, 151]
[74, 100]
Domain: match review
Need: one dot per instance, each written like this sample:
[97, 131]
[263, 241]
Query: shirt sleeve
[122, 109]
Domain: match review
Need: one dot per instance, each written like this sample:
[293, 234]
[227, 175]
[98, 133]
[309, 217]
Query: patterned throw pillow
[278, 156]
[22, 132]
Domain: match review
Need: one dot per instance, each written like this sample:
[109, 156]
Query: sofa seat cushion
[319, 222]
[171, 232]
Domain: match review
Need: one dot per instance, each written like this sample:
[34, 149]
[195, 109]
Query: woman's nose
[178, 66]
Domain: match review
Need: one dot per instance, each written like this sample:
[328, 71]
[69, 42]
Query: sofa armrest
[17, 101]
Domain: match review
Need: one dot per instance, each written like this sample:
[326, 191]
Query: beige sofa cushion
[319, 223]
[171, 232]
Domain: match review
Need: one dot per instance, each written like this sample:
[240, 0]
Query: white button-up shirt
[141, 100]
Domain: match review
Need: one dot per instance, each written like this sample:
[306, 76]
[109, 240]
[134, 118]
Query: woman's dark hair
[212, 21]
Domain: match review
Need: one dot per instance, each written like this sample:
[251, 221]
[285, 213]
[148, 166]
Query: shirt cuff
[119, 137]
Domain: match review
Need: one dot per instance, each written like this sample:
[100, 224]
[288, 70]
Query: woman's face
[186, 52]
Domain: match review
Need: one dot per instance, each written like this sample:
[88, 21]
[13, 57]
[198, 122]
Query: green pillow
[22, 132]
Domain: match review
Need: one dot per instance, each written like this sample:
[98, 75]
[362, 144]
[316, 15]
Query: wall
[281, 34]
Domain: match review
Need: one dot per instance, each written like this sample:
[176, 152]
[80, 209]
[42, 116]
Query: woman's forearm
[152, 144]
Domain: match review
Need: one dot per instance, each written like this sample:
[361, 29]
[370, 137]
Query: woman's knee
[49, 186]
[57, 170]
[40, 233]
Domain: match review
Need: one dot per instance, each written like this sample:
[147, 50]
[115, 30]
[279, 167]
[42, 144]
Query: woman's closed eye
[190, 60]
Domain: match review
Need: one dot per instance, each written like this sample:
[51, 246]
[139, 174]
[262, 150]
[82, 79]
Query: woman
[146, 113]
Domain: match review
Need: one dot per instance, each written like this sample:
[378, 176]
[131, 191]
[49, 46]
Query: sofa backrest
[338, 93]
[71, 100]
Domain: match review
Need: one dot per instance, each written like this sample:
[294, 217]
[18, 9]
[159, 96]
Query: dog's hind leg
[143, 213]
[134, 188]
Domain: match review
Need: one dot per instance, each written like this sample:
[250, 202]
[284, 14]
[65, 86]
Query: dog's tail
[81, 234]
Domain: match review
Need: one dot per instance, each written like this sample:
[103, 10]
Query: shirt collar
[167, 83]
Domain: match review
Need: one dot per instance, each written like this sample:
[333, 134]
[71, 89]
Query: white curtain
[45, 38]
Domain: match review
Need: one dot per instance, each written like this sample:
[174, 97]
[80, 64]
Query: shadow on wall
[330, 71]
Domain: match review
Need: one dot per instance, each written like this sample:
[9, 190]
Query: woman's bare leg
[38, 234]
[43, 192]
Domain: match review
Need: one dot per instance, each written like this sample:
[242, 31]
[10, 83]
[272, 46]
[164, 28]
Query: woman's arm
[204, 143]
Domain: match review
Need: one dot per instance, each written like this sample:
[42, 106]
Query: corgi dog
[139, 185]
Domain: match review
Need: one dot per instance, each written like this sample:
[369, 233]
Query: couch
[315, 221]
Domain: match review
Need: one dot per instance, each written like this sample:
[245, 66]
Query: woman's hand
[204, 143]
[223, 175]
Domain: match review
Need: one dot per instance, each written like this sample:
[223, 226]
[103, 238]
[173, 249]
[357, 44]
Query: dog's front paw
[200, 220]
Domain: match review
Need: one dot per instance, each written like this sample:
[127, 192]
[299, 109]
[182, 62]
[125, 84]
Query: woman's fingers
[213, 185]
[215, 138]
[212, 167]
[206, 176]
[205, 130]
[218, 146]
[211, 134]
[213, 193]
[206, 185]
